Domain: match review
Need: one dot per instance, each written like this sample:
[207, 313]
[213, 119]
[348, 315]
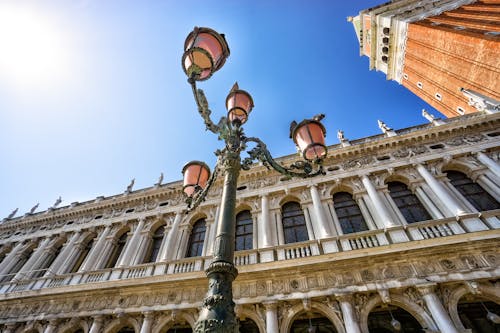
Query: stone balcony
[425, 234]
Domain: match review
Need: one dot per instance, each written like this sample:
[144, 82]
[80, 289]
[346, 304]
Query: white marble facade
[87, 267]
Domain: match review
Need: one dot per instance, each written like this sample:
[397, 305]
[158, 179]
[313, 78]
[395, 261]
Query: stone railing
[426, 231]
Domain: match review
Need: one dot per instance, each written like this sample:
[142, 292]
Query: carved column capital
[344, 297]
[426, 289]
[270, 305]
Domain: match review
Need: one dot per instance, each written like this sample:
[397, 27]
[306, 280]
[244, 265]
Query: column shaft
[380, 209]
[91, 262]
[131, 246]
[267, 239]
[319, 213]
[491, 164]
[271, 318]
[449, 202]
[350, 320]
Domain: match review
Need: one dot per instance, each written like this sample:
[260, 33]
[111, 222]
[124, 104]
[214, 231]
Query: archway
[473, 312]
[247, 325]
[312, 322]
[380, 320]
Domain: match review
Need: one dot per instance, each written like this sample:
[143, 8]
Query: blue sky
[93, 93]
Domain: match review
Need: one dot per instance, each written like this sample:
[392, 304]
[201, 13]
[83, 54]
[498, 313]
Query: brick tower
[447, 52]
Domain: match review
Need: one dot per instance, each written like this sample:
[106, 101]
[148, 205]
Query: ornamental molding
[372, 152]
[399, 274]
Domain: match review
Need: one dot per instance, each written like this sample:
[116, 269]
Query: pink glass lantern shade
[205, 51]
[239, 104]
[309, 136]
[196, 176]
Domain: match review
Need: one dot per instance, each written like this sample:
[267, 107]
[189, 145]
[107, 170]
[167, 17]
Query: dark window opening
[195, 245]
[473, 192]
[294, 223]
[407, 202]
[348, 212]
[244, 231]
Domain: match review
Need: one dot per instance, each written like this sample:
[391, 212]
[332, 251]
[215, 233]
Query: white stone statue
[428, 116]
[12, 214]
[340, 135]
[160, 180]
[130, 186]
[383, 126]
[58, 201]
[32, 210]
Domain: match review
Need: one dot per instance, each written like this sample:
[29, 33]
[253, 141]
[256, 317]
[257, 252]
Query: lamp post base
[217, 312]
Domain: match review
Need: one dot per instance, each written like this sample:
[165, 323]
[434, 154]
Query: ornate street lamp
[205, 51]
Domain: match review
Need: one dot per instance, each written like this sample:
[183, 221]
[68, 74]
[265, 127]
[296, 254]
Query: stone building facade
[403, 225]
[436, 48]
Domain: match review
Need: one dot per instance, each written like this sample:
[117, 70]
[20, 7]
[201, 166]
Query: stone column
[132, 245]
[97, 324]
[60, 264]
[265, 222]
[491, 164]
[437, 310]
[278, 222]
[427, 202]
[35, 256]
[211, 235]
[271, 317]
[9, 261]
[350, 321]
[255, 236]
[167, 252]
[309, 225]
[380, 209]
[452, 206]
[92, 262]
[321, 220]
[147, 322]
[51, 327]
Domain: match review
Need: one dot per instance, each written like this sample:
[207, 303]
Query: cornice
[374, 146]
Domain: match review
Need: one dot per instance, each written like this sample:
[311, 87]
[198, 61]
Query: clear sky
[92, 93]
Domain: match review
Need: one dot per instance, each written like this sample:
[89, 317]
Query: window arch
[120, 245]
[474, 193]
[294, 223]
[348, 212]
[244, 231]
[195, 245]
[83, 254]
[407, 202]
[155, 244]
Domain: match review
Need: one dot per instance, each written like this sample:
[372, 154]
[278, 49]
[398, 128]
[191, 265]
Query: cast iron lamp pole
[205, 51]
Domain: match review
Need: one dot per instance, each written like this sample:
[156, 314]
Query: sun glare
[32, 50]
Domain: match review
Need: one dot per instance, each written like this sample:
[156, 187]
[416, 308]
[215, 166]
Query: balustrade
[370, 239]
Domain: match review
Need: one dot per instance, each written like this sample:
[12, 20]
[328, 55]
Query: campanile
[445, 52]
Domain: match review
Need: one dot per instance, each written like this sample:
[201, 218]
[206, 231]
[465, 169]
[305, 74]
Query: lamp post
[205, 51]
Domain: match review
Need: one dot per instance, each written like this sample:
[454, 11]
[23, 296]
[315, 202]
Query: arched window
[82, 256]
[244, 230]
[154, 248]
[348, 212]
[120, 245]
[294, 223]
[409, 205]
[195, 245]
[473, 192]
